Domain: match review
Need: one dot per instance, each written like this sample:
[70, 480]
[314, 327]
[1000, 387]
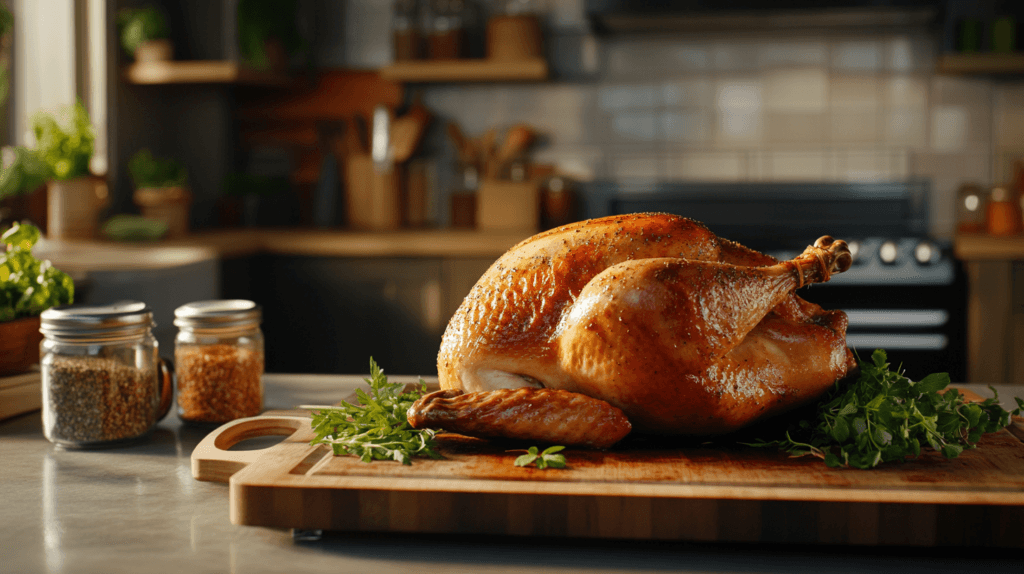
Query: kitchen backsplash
[751, 107]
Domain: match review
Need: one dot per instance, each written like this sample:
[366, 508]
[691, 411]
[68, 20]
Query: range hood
[630, 16]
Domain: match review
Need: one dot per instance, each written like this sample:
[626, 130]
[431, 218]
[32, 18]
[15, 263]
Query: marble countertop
[138, 509]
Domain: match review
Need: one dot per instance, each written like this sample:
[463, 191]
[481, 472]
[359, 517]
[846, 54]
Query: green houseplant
[268, 32]
[74, 199]
[145, 34]
[28, 286]
[161, 190]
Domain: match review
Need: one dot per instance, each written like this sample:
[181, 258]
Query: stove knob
[887, 252]
[925, 252]
[854, 251]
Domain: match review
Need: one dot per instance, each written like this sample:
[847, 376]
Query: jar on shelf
[463, 198]
[218, 353]
[971, 208]
[1003, 213]
[446, 25]
[405, 30]
[514, 32]
[103, 381]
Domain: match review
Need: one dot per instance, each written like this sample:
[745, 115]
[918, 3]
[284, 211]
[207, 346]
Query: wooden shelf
[466, 71]
[981, 63]
[981, 246]
[201, 72]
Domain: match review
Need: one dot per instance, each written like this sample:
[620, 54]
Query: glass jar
[218, 353]
[971, 209]
[406, 31]
[1003, 214]
[103, 380]
[447, 29]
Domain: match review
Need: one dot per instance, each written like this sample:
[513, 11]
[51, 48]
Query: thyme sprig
[377, 428]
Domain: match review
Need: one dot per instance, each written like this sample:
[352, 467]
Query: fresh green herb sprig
[885, 417]
[376, 429]
[544, 459]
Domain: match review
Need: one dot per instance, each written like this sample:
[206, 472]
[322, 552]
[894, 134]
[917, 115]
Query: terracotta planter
[168, 204]
[73, 207]
[19, 345]
[154, 51]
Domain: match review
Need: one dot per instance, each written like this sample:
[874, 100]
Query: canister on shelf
[1003, 215]
[103, 380]
[219, 356]
[971, 209]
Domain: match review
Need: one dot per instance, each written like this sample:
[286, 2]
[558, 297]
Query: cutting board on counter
[695, 492]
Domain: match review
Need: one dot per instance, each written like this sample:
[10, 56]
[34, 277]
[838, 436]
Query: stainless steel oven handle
[867, 342]
[902, 318]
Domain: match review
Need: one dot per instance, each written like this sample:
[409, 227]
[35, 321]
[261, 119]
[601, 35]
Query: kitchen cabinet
[331, 314]
[995, 311]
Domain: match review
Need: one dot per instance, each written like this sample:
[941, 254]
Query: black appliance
[904, 293]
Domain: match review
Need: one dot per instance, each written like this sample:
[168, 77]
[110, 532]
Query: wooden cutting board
[698, 492]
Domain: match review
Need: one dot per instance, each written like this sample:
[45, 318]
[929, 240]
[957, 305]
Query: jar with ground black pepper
[103, 380]
[218, 355]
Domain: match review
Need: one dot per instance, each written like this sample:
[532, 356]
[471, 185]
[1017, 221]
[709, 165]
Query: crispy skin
[542, 415]
[685, 332]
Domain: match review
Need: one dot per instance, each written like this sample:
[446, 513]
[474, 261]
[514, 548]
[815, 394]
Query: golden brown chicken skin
[684, 332]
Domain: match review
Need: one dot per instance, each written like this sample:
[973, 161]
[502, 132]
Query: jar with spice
[1003, 214]
[103, 380]
[219, 357]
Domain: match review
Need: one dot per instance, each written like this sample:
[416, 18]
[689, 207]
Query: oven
[904, 293]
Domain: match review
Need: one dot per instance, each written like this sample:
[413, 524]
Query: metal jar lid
[121, 320]
[218, 314]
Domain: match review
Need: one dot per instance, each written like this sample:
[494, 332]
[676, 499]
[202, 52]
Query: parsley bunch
[377, 429]
[885, 417]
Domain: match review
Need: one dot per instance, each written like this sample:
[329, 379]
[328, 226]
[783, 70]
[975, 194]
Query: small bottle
[104, 383]
[406, 31]
[971, 209]
[218, 353]
[463, 200]
[1003, 216]
[447, 25]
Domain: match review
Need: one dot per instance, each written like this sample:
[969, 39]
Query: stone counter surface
[138, 509]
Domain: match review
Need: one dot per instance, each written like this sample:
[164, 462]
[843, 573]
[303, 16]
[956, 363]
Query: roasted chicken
[684, 332]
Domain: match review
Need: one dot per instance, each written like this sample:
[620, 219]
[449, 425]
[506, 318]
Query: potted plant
[268, 33]
[145, 34]
[28, 287]
[161, 190]
[74, 199]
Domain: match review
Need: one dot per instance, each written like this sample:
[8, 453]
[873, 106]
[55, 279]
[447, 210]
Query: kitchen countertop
[83, 256]
[138, 509]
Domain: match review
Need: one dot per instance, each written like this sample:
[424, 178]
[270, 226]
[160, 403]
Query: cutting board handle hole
[258, 442]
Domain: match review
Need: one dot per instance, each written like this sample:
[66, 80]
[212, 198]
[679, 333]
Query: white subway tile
[855, 125]
[734, 57]
[860, 91]
[739, 95]
[793, 53]
[863, 55]
[690, 92]
[691, 58]
[628, 96]
[948, 128]
[641, 126]
[796, 127]
[864, 165]
[708, 166]
[804, 89]
[686, 126]
[739, 126]
[636, 168]
[907, 91]
[800, 166]
[906, 127]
